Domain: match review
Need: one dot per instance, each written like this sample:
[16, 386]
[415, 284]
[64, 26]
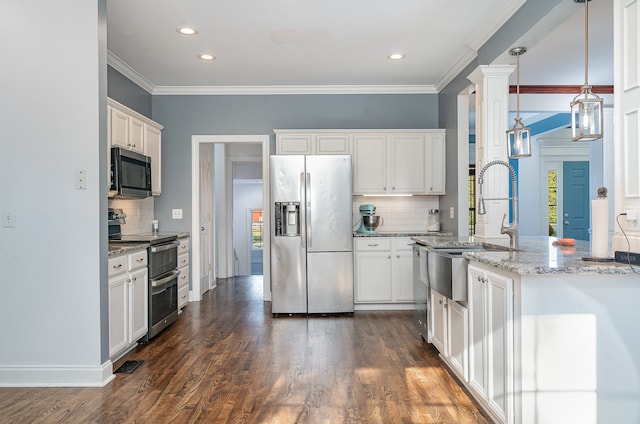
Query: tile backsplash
[139, 214]
[398, 213]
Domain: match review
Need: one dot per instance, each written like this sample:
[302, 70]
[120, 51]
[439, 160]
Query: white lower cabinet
[383, 270]
[491, 359]
[183, 267]
[128, 301]
[449, 332]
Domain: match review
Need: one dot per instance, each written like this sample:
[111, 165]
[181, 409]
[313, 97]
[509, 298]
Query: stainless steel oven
[163, 285]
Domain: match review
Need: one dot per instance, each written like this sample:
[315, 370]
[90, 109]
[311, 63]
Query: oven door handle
[162, 281]
[163, 247]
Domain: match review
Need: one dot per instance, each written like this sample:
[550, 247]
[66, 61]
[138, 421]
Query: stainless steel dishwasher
[421, 291]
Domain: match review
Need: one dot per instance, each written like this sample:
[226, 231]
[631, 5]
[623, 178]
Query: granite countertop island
[559, 332]
[534, 256]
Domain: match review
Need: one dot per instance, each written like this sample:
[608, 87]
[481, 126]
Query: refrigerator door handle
[308, 217]
[300, 212]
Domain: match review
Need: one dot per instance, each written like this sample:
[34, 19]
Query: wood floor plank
[227, 360]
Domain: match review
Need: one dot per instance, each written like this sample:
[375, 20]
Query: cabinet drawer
[183, 260]
[371, 244]
[137, 260]
[183, 278]
[183, 296]
[184, 246]
[117, 265]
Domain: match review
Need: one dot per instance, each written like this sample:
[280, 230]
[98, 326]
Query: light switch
[9, 218]
[81, 180]
[176, 213]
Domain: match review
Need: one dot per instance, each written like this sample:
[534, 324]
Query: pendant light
[518, 138]
[586, 107]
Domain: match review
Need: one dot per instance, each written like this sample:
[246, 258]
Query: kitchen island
[551, 338]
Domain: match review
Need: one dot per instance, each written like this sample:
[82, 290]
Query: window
[257, 229]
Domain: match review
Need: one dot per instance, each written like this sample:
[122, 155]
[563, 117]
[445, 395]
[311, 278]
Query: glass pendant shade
[519, 140]
[586, 116]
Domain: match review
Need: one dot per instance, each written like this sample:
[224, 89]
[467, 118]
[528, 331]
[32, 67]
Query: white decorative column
[492, 115]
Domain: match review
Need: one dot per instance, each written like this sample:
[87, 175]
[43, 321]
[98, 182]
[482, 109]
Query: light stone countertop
[535, 256]
[403, 234]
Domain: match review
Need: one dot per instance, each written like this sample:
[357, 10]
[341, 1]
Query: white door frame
[194, 292]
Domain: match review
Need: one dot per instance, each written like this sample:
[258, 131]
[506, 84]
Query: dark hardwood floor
[227, 360]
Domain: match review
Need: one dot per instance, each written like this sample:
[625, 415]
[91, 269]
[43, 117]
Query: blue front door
[575, 200]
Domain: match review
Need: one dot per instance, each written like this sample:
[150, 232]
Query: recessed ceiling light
[396, 56]
[187, 31]
[206, 56]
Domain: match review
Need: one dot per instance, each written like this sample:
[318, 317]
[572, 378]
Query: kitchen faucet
[511, 230]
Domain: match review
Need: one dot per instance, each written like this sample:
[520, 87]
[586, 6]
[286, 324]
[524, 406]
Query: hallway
[228, 361]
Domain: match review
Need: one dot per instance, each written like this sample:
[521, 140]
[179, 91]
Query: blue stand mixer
[370, 221]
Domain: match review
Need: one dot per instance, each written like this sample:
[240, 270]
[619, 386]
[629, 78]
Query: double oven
[162, 255]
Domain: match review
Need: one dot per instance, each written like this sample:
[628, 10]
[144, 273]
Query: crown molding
[119, 65]
[457, 68]
[293, 89]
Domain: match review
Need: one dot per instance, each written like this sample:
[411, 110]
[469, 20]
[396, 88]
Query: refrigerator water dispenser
[287, 218]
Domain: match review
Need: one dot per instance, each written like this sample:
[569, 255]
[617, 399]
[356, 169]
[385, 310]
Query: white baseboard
[56, 376]
[384, 306]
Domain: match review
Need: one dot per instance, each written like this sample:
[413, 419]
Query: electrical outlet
[176, 213]
[632, 215]
[452, 212]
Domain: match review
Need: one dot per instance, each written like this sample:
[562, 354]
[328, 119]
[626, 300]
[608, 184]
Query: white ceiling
[338, 45]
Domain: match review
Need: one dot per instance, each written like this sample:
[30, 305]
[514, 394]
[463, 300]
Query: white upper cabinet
[133, 131]
[315, 142]
[152, 148]
[384, 161]
[435, 163]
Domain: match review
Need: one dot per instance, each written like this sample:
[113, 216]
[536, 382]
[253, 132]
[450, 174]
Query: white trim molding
[56, 376]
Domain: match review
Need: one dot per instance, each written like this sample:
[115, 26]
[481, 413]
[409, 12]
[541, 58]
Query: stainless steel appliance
[311, 239]
[130, 174]
[421, 291]
[163, 278]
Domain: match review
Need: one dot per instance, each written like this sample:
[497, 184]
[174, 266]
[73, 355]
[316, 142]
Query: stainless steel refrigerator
[311, 236]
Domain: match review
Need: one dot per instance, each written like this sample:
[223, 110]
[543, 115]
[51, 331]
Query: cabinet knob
[446, 305]
[440, 301]
[389, 257]
[398, 256]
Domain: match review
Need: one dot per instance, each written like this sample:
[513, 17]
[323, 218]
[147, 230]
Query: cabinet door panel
[138, 305]
[136, 135]
[119, 128]
[118, 310]
[369, 164]
[438, 317]
[477, 378]
[499, 342]
[373, 277]
[153, 149]
[403, 257]
[334, 144]
[299, 144]
[407, 168]
[457, 338]
[435, 164]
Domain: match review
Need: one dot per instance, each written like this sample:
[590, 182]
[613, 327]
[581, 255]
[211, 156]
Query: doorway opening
[226, 151]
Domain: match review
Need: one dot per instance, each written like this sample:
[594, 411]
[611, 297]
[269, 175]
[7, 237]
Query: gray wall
[524, 19]
[185, 116]
[128, 93]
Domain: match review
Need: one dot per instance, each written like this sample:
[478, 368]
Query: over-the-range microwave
[130, 174]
